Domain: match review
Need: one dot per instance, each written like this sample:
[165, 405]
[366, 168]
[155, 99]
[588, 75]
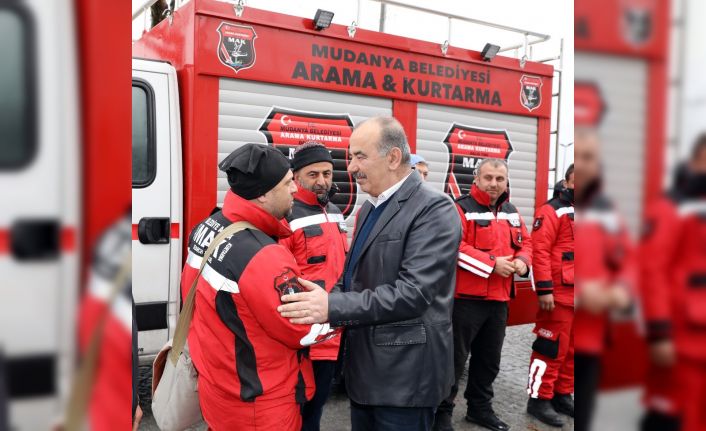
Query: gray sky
[552, 17]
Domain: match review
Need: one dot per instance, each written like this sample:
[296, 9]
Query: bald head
[388, 134]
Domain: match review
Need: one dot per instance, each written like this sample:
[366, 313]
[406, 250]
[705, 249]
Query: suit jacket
[397, 315]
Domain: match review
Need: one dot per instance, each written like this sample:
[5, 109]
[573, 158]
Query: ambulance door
[156, 211]
[39, 191]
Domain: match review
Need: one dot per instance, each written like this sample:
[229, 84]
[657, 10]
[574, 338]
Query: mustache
[359, 176]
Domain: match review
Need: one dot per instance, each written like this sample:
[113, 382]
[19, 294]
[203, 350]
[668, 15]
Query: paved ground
[510, 396]
[618, 410]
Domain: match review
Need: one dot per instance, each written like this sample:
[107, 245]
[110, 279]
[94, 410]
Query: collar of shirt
[387, 194]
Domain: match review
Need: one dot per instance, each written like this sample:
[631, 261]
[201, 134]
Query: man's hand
[662, 353]
[593, 297]
[503, 266]
[306, 308]
[546, 302]
[138, 418]
[619, 297]
[520, 266]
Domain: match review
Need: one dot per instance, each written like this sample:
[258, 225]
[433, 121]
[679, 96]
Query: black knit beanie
[310, 154]
[254, 169]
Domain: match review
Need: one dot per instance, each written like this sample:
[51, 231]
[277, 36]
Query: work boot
[654, 421]
[543, 410]
[563, 403]
[487, 419]
[442, 421]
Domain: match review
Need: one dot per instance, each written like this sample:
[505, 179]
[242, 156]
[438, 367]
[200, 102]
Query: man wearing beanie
[254, 367]
[319, 244]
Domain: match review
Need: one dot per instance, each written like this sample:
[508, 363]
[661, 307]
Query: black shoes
[563, 403]
[442, 421]
[543, 410]
[487, 420]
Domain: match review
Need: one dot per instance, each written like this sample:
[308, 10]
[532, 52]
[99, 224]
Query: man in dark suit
[396, 292]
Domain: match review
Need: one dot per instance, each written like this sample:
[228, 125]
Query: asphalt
[509, 403]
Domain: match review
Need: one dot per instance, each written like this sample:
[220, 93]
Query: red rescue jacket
[199, 240]
[487, 234]
[319, 244]
[248, 351]
[606, 255]
[673, 287]
[553, 249]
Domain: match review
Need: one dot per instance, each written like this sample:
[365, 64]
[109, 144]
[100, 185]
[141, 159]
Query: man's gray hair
[391, 136]
[493, 162]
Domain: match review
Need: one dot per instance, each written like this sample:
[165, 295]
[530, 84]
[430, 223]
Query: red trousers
[679, 391]
[552, 361]
[662, 390]
[692, 376]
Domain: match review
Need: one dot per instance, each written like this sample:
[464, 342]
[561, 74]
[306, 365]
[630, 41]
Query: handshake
[506, 266]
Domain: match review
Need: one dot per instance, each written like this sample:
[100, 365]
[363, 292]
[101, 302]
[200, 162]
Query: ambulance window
[17, 101]
[143, 142]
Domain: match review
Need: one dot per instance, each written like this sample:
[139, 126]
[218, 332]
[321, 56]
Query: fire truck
[214, 76]
[621, 69]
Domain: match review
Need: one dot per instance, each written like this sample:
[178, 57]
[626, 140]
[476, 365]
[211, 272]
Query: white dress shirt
[387, 194]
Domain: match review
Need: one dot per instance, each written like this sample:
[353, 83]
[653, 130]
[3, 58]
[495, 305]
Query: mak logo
[236, 46]
[287, 283]
[531, 92]
[589, 106]
[467, 146]
[637, 20]
[286, 129]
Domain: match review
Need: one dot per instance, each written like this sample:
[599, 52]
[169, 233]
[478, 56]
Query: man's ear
[262, 199]
[394, 158]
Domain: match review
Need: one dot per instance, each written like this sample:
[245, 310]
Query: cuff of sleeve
[476, 266]
[658, 330]
[336, 316]
[544, 287]
[334, 306]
